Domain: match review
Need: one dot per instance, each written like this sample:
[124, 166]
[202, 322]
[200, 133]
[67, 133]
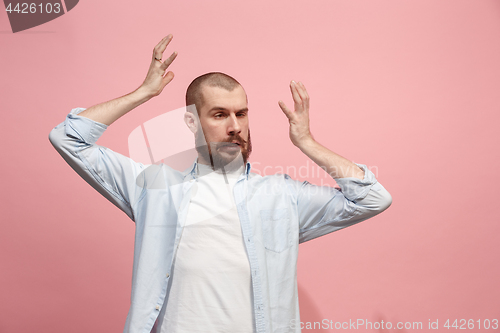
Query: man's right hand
[108, 112]
[156, 79]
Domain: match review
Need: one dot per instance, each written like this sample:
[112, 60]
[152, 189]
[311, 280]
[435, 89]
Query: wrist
[142, 94]
[306, 144]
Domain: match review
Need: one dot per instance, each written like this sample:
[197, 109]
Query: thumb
[166, 79]
[285, 109]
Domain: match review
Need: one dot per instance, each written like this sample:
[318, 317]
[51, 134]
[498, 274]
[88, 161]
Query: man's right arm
[156, 79]
[117, 177]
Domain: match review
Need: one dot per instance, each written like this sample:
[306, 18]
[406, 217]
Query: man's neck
[237, 166]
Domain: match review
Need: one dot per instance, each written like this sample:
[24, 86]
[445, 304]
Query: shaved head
[194, 93]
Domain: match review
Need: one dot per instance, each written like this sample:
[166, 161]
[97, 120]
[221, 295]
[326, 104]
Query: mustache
[237, 138]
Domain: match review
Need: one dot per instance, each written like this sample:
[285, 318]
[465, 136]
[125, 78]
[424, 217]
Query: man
[216, 246]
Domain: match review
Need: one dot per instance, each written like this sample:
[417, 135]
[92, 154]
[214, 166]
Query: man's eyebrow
[220, 108]
[217, 108]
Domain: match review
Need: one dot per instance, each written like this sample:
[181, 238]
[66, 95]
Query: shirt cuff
[83, 128]
[354, 188]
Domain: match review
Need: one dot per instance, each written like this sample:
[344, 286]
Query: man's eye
[218, 115]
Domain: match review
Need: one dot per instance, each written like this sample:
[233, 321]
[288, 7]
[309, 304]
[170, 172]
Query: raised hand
[299, 119]
[157, 79]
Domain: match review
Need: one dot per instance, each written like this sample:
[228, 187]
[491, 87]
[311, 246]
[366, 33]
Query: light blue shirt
[276, 214]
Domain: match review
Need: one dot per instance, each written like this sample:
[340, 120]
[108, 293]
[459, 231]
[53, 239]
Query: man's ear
[191, 121]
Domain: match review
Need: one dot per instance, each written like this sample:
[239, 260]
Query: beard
[225, 161]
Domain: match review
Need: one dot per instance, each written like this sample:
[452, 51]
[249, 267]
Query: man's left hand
[299, 119]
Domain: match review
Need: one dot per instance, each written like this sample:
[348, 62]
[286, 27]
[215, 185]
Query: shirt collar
[190, 172]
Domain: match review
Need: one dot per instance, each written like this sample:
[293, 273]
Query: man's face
[224, 120]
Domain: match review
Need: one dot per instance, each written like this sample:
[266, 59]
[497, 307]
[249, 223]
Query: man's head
[222, 107]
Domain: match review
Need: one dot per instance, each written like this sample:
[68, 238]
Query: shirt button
[248, 239]
[168, 275]
[157, 307]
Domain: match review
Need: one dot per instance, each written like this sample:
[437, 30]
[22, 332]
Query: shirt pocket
[276, 229]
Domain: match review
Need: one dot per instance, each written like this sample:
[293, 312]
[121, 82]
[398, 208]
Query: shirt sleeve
[324, 209]
[117, 177]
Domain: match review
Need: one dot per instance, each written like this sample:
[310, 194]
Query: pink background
[409, 88]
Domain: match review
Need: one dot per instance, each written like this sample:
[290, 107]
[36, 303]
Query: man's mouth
[230, 144]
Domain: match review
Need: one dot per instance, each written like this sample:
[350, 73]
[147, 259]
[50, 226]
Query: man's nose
[234, 126]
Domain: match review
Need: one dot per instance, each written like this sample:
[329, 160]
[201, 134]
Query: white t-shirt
[211, 287]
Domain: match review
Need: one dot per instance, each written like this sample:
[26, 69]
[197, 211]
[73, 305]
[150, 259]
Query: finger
[285, 109]
[157, 48]
[304, 89]
[162, 45]
[166, 79]
[300, 91]
[295, 94]
[303, 94]
[161, 41]
[168, 61]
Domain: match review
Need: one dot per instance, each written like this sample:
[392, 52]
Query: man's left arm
[300, 135]
[322, 209]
